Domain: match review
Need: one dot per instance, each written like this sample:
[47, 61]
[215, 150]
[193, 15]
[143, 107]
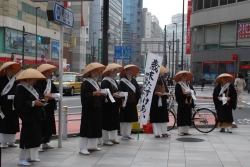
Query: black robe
[10, 123]
[31, 118]
[159, 114]
[110, 112]
[130, 113]
[91, 120]
[48, 125]
[224, 112]
[184, 111]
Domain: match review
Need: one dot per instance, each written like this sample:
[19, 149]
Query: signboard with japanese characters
[152, 71]
[243, 30]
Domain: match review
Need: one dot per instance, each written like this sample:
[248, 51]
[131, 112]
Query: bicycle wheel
[172, 120]
[204, 120]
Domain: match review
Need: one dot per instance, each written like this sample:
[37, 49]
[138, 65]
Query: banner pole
[138, 135]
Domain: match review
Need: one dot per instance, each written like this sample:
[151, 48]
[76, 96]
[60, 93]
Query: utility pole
[165, 45]
[36, 34]
[23, 48]
[182, 39]
[173, 57]
[105, 31]
[177, 56]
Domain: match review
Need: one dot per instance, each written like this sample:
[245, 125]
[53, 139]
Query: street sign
[60, 15]
[123, 52]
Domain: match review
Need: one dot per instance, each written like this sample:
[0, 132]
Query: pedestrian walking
[110, 112]
[9, 122]
[47, 89]
[30, 110]
[128, 109]
[90, 128]
[159, 109]
[225, 101]
[170, 81]
[202, 81]
[184, 94]
[239, 85]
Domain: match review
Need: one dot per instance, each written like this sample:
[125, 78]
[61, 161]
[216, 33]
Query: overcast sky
[164, 9]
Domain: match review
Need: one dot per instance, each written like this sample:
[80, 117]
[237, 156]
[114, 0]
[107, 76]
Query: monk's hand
[158, 94]
[228, 99]
[38, 103]
[189, 95]
[116, 95]
[98, 93]
[219, 98]
[48, 96]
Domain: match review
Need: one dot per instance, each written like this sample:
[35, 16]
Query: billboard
[55, 49]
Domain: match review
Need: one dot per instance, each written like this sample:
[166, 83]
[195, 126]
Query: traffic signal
[12, 58]
[45, 40]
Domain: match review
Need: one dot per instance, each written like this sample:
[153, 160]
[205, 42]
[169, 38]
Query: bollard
[65, 122]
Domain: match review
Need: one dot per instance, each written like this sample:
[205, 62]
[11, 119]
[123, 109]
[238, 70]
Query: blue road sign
[63, 15]
[123, 52]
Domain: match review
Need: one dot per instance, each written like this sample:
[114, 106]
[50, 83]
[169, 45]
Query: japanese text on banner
[152, 71]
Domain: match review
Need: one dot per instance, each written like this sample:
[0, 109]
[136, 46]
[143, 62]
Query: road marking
[70, 99]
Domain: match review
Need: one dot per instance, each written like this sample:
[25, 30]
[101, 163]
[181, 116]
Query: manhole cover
[189, 139]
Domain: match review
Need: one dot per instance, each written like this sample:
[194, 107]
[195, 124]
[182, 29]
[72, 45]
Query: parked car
[72, 83]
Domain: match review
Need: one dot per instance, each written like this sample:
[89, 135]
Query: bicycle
[203, 119]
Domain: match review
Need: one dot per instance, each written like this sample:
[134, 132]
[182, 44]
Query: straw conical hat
[177, 77]
[17, 67]
[30, 74]
[230, 77]
[135, 70]
[111, 67]
[163, 70]
[91, 67]
[45, 67]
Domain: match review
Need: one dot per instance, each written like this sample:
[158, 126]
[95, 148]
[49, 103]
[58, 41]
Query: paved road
[74, 105]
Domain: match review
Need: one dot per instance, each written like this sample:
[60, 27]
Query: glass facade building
[131, 36]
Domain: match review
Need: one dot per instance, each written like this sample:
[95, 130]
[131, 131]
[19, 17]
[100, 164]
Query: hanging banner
[152, 71]
[188, 39]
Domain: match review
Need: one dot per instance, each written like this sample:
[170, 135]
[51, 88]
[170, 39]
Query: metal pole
[23, 48]
[60, 87]
[182, 38]
[165, 45]
[105, 31]
[169, 57]
[36, 34]
[173, 57]
[177, 56]
[93, 56]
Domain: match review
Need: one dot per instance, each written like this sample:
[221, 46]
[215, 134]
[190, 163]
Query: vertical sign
[82, 18]
[188, 42]
[152, 71]
[99, 50]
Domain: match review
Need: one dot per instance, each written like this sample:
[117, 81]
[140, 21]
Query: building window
[223, 2]
[228, 32]
[212, 34]
[215, 3]
[207, 4]
[231, 1]
[198, 38]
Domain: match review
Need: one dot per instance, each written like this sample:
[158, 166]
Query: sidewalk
[217, 150]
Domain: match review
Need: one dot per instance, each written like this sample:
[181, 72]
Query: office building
[220, 38]
[132, 30]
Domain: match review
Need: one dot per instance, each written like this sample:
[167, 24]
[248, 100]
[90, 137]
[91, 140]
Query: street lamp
[93, 58]
[36, 34]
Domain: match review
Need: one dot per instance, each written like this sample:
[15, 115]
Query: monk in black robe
[129, 113]
[110, 112]
[225, 91]
[159, 110]
[47, 89]
[183, 94]
[29, 108]
[9, 125]
[91, 129]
